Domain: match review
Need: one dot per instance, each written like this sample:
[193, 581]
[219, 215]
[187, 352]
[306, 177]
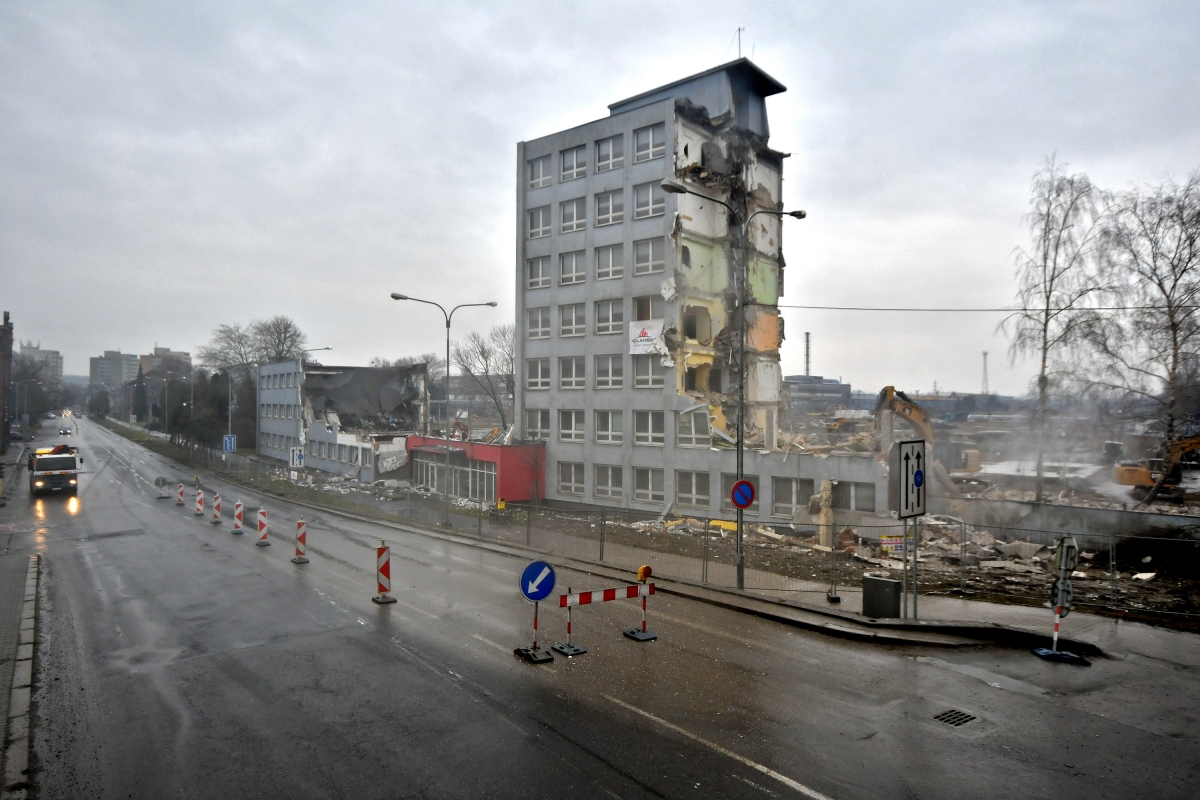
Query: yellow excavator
[892, 400]
[1154, 475]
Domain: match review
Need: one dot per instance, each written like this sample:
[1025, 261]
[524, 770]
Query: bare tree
[1056, 278]
[435, 363]
[231, 347]
[1151, 248]
[278, 339]
[504, 339]
[482, 359]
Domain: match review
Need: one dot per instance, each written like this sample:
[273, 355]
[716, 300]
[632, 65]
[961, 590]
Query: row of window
[345, 453]
[648, 372]
[608, 426]
[608, 263]
[279, 410]
[277, 441]
[609, 316]
[281, 380]
[648, 201]
[649, 143]
[692, 489]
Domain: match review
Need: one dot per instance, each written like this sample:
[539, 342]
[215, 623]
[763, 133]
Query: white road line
[785, 780]
[489, 641]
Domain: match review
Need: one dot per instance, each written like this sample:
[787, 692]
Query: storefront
[480, 472]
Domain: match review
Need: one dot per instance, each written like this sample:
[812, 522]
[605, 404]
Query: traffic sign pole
[537, 582]
[1061, 595]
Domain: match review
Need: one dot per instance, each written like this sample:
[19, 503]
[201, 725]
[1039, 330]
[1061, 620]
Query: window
[610, 262]
[366, 456]
[610, 372]
[610, 316]
[650, 307]
[647, 256]
[539, 172]
[648, 427]
[571, 373]
[857, 496]
[610, 153]
[539, 322]
[537, 424]
[693, 429]
[648, 371]
[571, 268]
[572, 320]
[537, 373]
[539, 222]
[570, 477]
[610, 427]
[790, 495]
[609, 482]
[691, 489]
[574, 215]
[570, 425]
[574, 163]
[649, 142]
[610, 207]
[341, 451]
[539, 272]
[697, 324]
[648, 200]
[351, 454]
[727, 482]
[648, 485]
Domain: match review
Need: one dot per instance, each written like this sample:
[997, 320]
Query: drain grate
[954, 717]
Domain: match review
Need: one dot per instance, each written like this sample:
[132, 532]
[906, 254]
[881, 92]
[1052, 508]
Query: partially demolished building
[627, 303]
[349, 421]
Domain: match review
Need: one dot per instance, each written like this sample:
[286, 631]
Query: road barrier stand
[532, 654]
[199, 503]
[237, 519]
[570, 650]
[1061, 597]
[383, 574]
[644, 589]
[161, 484]
[262, 529]
[216, 515]
[179, 495]
[301, 542]
[537, 582]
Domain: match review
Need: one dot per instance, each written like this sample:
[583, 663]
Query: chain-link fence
[1152, 576]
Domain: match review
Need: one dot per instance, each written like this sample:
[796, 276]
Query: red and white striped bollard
[383, 574]
[216, 515]
[237, 519]
[301, 542]
[179, 495]
[262, 528]
[199, 502]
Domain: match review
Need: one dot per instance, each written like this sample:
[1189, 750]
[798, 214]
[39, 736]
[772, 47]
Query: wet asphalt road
[177, 660]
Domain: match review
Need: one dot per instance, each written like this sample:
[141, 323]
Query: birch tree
[1056, 279]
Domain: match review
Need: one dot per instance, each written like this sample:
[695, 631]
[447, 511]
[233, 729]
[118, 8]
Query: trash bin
[881, 598]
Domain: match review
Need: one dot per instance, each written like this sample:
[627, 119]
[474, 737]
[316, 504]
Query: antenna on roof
[739, 33]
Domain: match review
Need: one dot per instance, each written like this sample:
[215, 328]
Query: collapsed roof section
[368, 400]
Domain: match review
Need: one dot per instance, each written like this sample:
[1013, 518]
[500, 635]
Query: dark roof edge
[766, 84]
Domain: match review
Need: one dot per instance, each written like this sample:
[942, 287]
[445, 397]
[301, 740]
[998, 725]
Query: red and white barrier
[262, 529]
[237, 518]
[383, 574]
[179, 495]
[301, 542]
[199, 502]
[216, 515]
[605, 595]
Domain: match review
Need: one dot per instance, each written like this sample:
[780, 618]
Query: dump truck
[54, 469]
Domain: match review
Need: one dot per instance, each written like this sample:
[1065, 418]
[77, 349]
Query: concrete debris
[1144, 576]
[1022, 549]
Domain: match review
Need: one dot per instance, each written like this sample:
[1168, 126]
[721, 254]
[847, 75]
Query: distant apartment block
[51, 360]
[164, 360]
[813, 394]
[113, 369]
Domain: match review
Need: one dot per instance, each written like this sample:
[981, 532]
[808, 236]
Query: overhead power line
[981, 310]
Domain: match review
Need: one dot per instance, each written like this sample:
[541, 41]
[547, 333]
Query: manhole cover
[954, 717]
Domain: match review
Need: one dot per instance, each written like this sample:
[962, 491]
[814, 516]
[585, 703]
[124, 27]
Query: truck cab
[54, 469]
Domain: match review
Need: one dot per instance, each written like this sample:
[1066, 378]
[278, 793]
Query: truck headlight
[73, 481]
[39, 483]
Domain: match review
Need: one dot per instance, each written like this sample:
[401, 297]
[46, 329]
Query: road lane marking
[784, 779]
[489, 641]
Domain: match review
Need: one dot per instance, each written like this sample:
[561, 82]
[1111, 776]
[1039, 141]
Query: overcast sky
[167, 167]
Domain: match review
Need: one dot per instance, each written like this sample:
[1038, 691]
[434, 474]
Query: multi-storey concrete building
[51, 360]
[628, 314]
[113, 369]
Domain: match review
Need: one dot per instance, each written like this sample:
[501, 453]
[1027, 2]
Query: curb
[16, 750]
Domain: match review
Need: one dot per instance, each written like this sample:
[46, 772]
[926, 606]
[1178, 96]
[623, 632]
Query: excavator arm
[898, 402]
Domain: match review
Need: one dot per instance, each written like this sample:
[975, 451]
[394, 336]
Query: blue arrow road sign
[537, 581]
[230, 444]
[919, 478]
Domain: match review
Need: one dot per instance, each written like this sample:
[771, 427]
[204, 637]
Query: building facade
[113, 369]
[628, 312]
[164, 359]
[813, 394]
[281, 421]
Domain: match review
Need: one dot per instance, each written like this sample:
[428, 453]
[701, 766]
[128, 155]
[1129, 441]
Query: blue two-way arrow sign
[537, 581]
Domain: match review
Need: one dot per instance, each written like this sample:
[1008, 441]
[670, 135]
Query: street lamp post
[673, 186]
[448, 316]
